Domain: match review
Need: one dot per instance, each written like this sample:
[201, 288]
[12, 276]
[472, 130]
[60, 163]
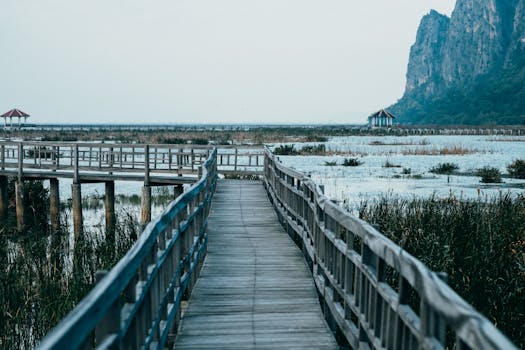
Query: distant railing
[79, 157]
[374, 293]
[138, 303]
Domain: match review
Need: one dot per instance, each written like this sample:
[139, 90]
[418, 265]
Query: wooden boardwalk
[255, 290]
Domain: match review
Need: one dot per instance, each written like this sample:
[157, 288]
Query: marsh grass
[389, 164]
[444, 151]
[517, 169]
[489, 175]
[423, 142]
[445, 168]
[479, 243]
[330, 163]
[44, 274]
[352, 162]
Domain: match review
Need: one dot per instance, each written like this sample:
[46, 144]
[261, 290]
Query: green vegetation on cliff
[495, 98]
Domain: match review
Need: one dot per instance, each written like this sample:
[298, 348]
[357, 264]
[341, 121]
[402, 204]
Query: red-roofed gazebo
[14, 113]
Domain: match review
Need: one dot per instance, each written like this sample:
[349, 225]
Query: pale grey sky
[198, 61]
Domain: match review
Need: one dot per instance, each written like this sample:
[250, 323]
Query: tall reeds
[44, 274]
[479, 243]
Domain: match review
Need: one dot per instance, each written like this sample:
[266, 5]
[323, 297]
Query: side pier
[154, 165]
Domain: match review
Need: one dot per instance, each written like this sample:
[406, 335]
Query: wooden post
[178, 190]
[76, 197]
[109, 202]
[75, 165]
[2, 156]
[20, 161]
[54, 204]
[19, 190]
[145, 216]
[236, 157]
[4, 200]
[20, 207]
[146, 165]
[111, 322]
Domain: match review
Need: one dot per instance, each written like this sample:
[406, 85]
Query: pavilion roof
[14, 113]
[382, 113]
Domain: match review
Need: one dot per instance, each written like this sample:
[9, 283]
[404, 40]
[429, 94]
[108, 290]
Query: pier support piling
[20, 207]
[178, 190]
[109, 202]
[54, 204]
[145, 205]
[76, 197]
[4, 198]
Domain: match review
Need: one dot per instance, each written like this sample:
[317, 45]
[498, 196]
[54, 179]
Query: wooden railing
[138, 303]
[374, 293]
[78, 157]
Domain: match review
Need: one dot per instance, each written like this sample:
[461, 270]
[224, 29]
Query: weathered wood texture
[378, 295]
[101, 162]
[255, 290]
[137, 304]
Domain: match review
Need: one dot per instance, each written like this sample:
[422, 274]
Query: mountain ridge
[468, 68]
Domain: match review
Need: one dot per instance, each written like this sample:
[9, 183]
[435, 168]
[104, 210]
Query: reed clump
[445, 168]
[389, 164]
[352, 161]
[44, 274]
[517, 169]
[444, 151]
[489, 175]
[479, 243]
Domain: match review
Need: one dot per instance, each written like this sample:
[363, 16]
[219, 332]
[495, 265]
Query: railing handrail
[127, 145]
[440, 303]
[77, 326]
[109, 159]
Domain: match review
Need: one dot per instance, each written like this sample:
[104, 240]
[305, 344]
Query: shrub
[517, 169]
[316, 138]
[334, 163]
[391, 165]
[352, 162]
[170, 140]
[199, 141]
[319, 149]
[489, 174]
[407, 171]
[445, 168]
[285, 150]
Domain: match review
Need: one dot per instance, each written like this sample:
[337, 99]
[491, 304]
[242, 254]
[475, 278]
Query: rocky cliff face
[426, 56]
[481, 38]
[477, 40]
[517, 43]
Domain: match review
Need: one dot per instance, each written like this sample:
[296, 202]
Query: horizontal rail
[37, 158]
[138, 303]
[377, 294]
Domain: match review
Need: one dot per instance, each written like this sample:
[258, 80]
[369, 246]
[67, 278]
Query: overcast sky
[206, 61]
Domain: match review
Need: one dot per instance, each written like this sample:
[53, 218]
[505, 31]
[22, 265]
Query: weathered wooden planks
[255, 290]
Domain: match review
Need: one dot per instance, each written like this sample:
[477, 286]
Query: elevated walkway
[255, 290]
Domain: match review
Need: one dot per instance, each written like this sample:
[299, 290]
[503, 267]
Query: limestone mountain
[469, 68]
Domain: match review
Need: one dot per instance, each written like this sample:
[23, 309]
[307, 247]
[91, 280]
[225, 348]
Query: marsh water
[410, 158]
[413, 157]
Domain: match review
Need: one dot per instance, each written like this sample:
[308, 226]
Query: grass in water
[42, 276]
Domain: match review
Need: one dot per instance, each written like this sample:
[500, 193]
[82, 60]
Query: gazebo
[14, 113]
[381, 119]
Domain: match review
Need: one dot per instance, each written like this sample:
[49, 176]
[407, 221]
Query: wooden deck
[255, 290]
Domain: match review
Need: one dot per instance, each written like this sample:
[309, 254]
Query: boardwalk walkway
[255, 290]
